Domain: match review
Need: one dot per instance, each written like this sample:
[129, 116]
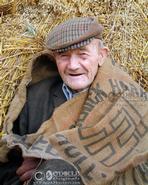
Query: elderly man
[77, 49]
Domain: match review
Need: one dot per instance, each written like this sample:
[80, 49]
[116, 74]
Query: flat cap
[73, 33]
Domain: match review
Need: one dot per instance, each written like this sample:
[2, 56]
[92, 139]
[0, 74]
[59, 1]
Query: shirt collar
[69, 94]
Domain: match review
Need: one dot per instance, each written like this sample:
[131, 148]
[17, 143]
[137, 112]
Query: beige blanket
[102, 131]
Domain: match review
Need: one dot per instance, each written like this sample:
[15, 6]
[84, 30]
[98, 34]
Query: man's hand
[28, 167]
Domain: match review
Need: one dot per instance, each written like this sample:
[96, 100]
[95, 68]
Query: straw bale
[23, 35]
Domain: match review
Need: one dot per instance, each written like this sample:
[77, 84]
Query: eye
[83, 54]
[64, 56]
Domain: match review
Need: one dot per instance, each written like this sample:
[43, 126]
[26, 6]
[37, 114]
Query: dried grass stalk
[8, 7]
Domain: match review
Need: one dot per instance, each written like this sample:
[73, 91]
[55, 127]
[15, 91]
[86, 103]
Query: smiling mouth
[75, 74]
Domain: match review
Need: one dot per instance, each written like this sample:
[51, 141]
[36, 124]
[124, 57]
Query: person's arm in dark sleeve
[20, 126]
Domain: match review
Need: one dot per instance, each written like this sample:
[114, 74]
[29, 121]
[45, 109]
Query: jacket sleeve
[20, 125]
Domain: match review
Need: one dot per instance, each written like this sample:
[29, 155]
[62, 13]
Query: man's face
[78, 67]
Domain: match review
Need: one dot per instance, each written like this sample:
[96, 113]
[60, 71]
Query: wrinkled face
[78, 67]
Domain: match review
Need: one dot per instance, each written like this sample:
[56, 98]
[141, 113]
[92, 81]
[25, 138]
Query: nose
[73, 62]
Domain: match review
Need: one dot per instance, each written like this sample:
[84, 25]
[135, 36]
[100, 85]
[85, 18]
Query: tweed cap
[74, 33]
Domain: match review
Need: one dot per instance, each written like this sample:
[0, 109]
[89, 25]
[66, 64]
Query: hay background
[24, 29]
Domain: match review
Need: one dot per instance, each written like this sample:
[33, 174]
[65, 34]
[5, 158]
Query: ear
[103, 53]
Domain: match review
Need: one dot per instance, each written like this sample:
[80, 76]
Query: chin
[77, 88]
